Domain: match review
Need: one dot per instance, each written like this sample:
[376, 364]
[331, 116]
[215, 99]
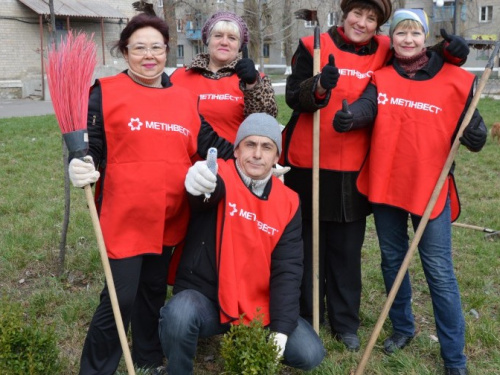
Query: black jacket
[197, 268]
[339, 199]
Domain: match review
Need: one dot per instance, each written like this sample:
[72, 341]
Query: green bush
[26, 347]
[247, 350]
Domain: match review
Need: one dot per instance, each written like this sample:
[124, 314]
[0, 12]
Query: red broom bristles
[70, 68]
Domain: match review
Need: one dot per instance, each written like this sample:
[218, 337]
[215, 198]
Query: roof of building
[74, 8]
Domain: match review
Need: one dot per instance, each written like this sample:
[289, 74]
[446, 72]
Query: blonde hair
[409, 25]
[225, 27]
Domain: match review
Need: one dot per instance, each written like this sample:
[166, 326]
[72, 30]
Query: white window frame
[266, 47]
[309, 24]
[160, 3]
[488, 13]
[331, 19]
[179, 25]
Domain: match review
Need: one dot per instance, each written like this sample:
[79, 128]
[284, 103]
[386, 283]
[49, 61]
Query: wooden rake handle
[109, 279]
[425, 218]
[315, 193]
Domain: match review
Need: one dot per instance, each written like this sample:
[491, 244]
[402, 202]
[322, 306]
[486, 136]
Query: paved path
[24, 107]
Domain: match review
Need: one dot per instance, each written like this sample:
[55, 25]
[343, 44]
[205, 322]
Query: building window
[240, 1]
[486, 14]
[160, 3]
[220, 1]
[331, 19]
[180, 51]
[265, 50]
[180, 27]
[309, 24]
[283, 45]
[198, 49]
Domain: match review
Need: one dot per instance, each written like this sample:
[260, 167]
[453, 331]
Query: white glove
[82, 172]
[279, 171]
[280, 340]
[200, 180]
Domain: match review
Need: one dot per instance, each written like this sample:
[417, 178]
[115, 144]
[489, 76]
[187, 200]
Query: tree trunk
[287, 34]
[52, 34]
[169, 15]
[251, 17]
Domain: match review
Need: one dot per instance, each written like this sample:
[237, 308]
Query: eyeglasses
[141, 50]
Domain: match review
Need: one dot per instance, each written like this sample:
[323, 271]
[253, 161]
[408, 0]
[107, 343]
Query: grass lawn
[31, 213]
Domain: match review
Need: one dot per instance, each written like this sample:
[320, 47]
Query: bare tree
[169, 16]
[252, 18]
[287, 33]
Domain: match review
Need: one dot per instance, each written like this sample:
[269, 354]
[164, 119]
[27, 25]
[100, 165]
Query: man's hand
[200, 180]
[457, 46]
[245, 69]
[329, 74]
[280, 340]
[343, 120]
[82, 172]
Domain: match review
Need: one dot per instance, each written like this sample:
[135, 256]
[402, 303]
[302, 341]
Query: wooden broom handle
[109, 279]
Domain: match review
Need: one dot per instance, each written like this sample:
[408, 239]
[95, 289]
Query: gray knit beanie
[260, 124]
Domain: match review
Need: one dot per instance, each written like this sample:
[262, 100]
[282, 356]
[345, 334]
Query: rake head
[307, 15]
[492, 236]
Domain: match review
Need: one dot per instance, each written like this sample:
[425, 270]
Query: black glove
[343, 120]
[473, 137]
[457, 46]
[245, 69]
[329, 74]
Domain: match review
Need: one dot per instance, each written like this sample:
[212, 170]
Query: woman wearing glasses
[143, 133]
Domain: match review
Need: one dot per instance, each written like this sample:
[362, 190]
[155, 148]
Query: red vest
[151, 135]
[338, 151]
[221, 100]
[248, 229]
[412, 137]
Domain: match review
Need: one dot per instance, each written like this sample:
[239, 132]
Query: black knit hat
[384, 5]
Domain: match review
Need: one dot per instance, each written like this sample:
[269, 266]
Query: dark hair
[138, 22]
[365, 5]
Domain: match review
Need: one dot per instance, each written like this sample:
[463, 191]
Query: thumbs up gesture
[343, 120]
[245, 68]
[329, 74]
[456, 45]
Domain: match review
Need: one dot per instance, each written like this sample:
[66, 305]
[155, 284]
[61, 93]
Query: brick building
[274, 30]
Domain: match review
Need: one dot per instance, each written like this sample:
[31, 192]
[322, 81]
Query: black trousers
[141, 288]
[339, 273]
